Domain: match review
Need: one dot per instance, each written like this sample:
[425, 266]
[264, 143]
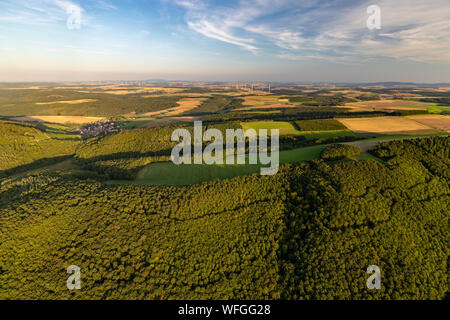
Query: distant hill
[397, 84]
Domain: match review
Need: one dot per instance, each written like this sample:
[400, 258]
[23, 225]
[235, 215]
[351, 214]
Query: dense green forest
[319, 125]
[319, 100]
[309, 232]
[29, 102]
[339, 151]
[123, 154]
[26, 146]
[216, 104]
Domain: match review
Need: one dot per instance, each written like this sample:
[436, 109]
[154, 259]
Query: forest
[26, 146]
[61, 102]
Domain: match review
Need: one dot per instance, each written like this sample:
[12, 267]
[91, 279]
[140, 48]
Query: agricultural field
[265, 103]
[67, 102]
[392, 105]
[183, 105]
[434, 121]
[386, 126]
[59, 119]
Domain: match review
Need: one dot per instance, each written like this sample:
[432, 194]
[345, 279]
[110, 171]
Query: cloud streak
[411, 29]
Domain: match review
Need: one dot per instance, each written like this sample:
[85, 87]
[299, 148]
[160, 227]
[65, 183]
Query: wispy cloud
[36, 12]
[211, 30]
[104, 4]
[225, 22]
[333, 29]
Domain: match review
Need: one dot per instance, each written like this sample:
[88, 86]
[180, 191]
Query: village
[99, 128]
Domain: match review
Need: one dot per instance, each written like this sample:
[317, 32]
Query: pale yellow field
[386, 125]
[28, 88]
[184, 105]
[263, 102]
[258, 100]
[67, 102]
[440, 122]
[61, 119]
[388, 105]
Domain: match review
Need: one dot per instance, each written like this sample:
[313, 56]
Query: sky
[225, 40]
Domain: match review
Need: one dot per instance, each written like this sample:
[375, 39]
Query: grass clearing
[167, 173]
[367, 156]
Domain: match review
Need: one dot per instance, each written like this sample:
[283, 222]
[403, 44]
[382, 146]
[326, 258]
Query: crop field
[264, 102]
[67, 102]
[440, 122]
[386, 125]
[260, 100]
[389, 105]
[60, 119]
[285, 128]
[183, 105]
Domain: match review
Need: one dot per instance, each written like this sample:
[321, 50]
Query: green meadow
[167, 173]
[435, 108]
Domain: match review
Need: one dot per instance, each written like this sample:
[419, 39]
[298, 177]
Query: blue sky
[270, 40]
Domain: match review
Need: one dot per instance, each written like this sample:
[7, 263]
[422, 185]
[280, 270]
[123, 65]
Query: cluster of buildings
[99, 128]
